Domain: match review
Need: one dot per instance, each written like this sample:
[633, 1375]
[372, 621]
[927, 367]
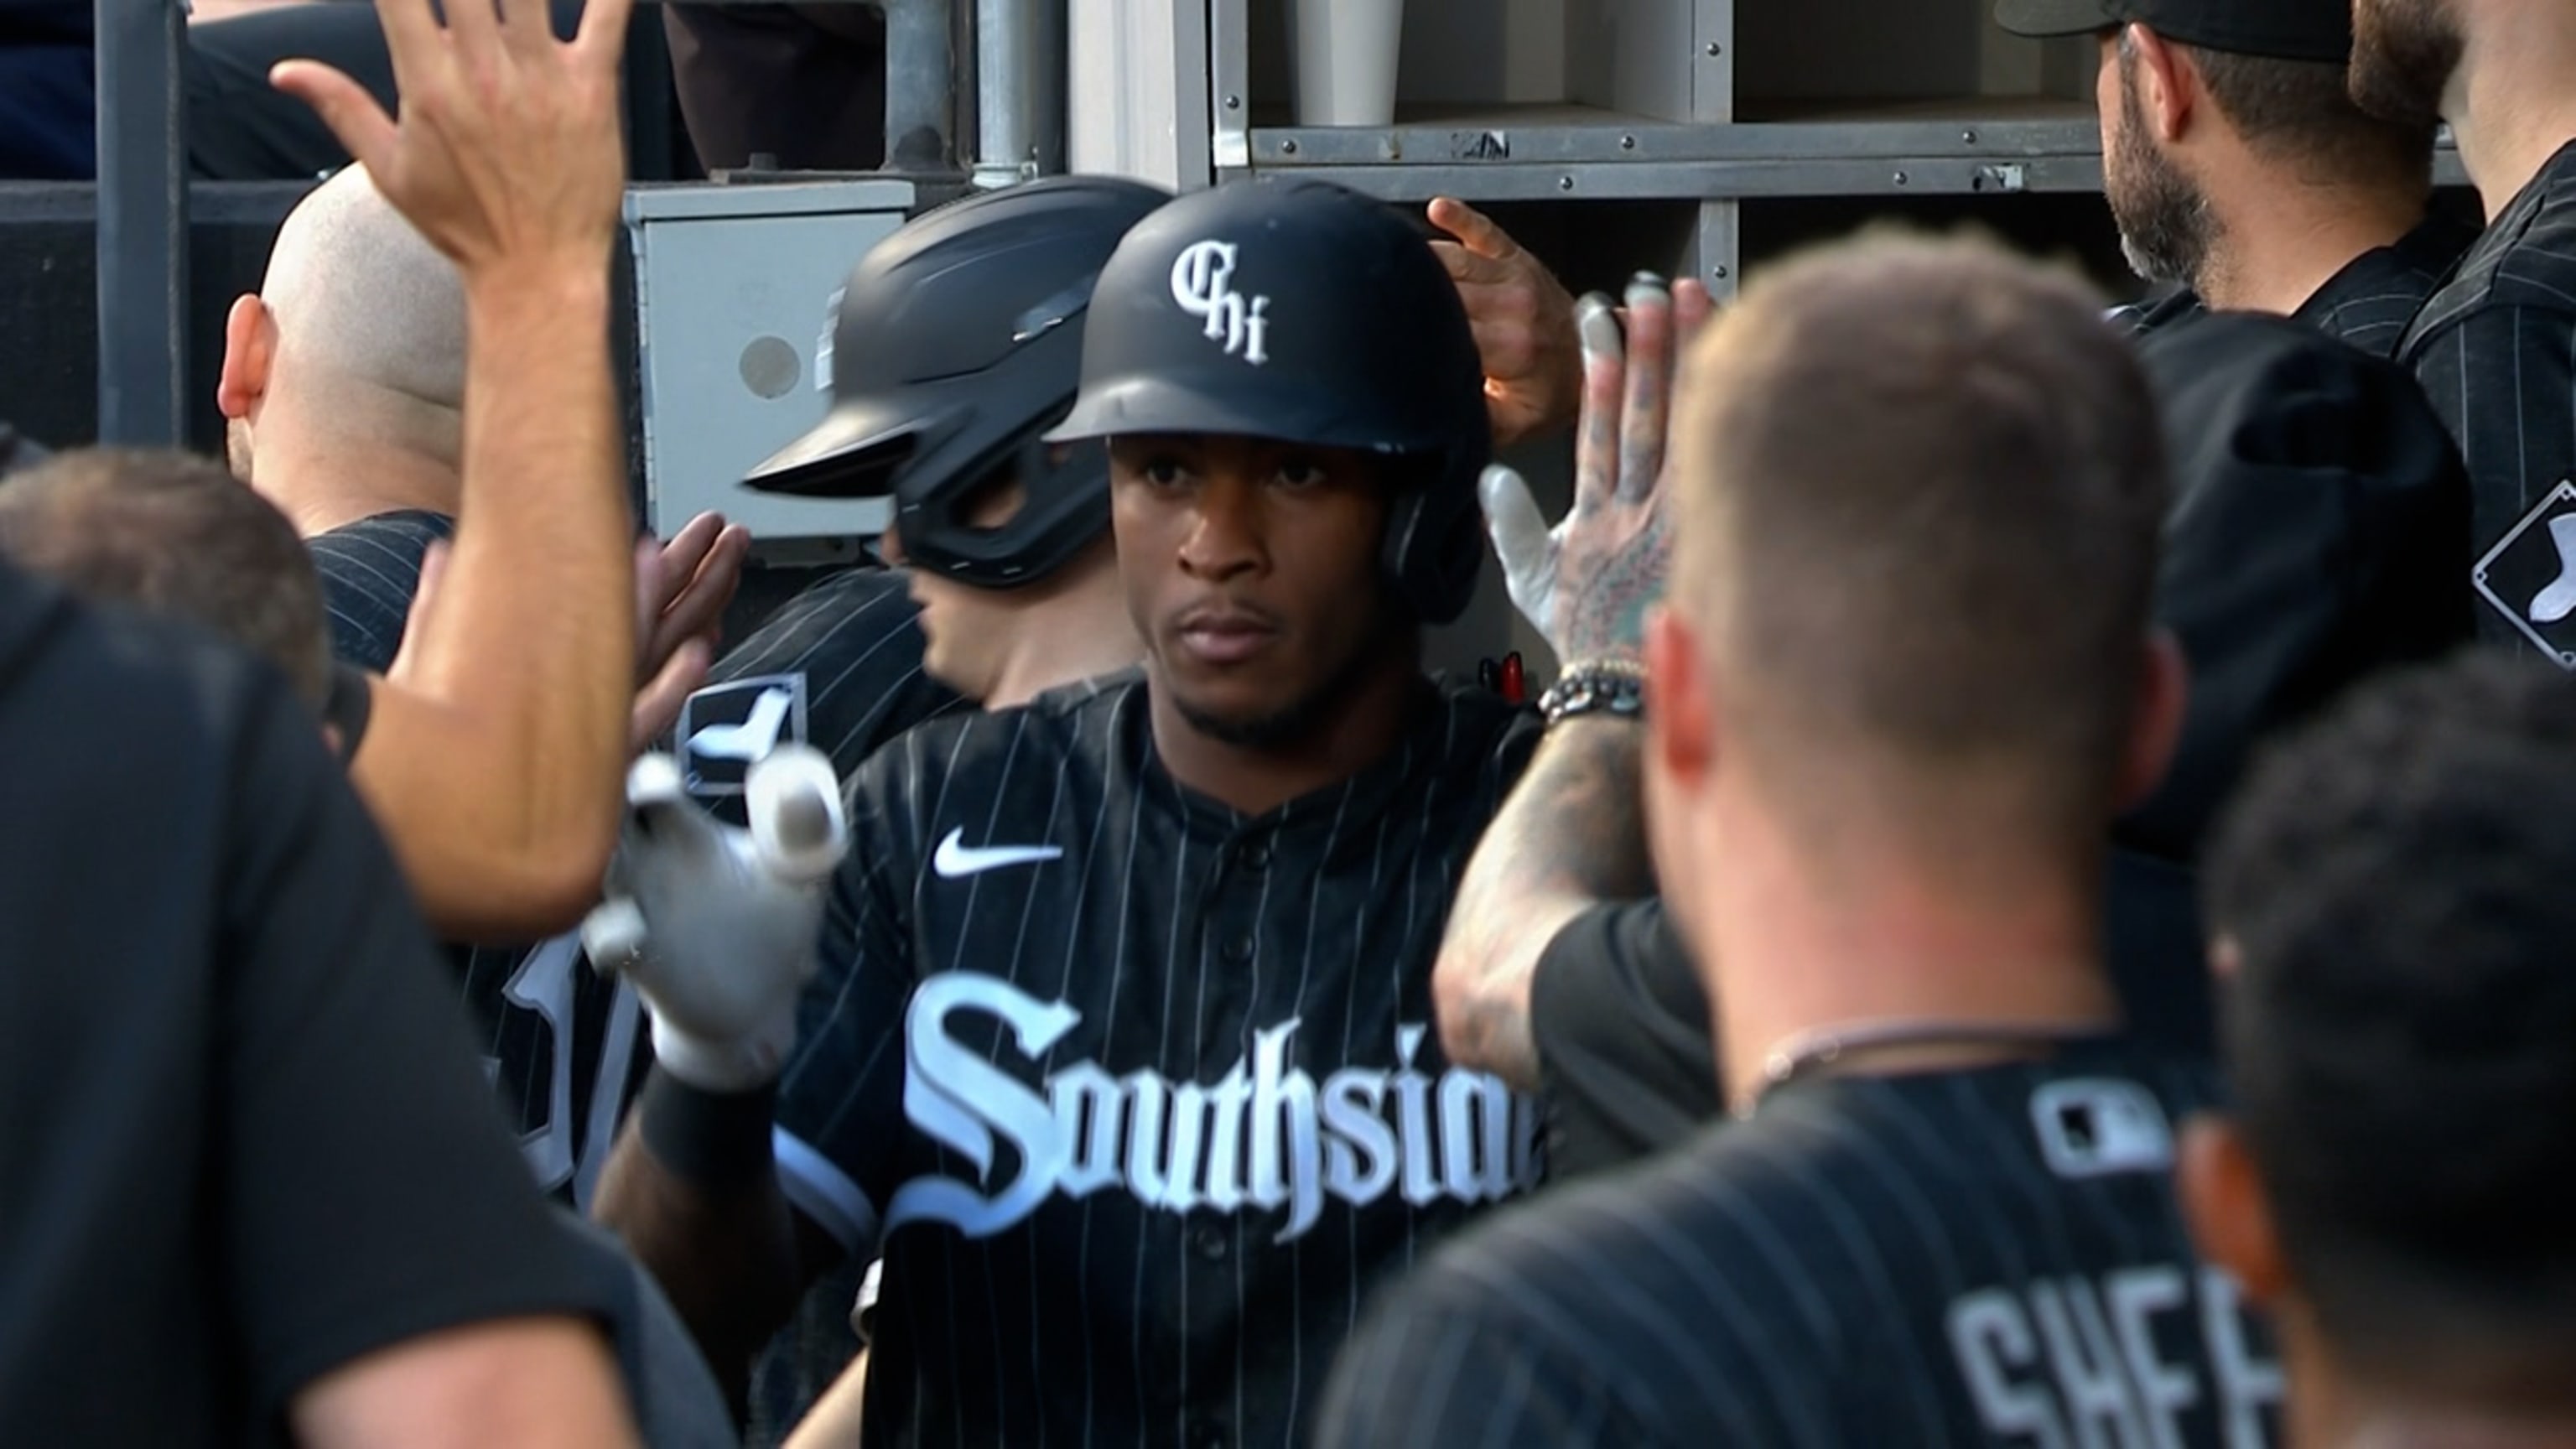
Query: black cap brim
[2046, 19]
[850, 454]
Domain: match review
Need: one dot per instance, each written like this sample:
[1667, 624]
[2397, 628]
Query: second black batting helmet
[1298, 311]
[957, 343]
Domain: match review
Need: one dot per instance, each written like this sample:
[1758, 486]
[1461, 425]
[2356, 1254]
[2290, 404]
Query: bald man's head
[357, 333]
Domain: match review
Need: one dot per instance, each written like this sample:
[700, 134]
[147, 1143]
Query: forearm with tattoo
[1571, 836]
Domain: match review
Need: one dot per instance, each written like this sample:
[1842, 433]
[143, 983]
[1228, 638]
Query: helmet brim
[852, 453]
[2047, 19]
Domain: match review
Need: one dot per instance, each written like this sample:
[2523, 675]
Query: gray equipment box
[734, 287]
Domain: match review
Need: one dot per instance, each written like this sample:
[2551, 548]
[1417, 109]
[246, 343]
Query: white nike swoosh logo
[955, 857]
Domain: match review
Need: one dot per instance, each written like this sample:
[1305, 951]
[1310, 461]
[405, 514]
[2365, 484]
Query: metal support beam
[921, 86]
[1019, 90]
[142, 223]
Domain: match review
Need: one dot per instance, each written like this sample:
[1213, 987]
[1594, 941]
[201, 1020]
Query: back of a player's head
[1920, 485]
[2299, 114]
[2398, 884]
[365, 305]
[175, 535]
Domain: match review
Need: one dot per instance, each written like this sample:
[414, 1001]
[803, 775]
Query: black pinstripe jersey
[1137, 1096]
[837, 667]
[2367, 304]
[561, 1043]
[370, 569]
[1986, 1257]
[2495, 349]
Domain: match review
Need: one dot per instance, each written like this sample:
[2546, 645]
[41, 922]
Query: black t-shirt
[370, 570]
[2319, 532]
[1626, 1043]
[2496, 352]
[241, 1133]
[1990, 1256]
[1138, 1096]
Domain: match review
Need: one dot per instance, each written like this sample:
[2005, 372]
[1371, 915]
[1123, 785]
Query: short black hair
[173, 534]
[2302, 111]
[2399, 881]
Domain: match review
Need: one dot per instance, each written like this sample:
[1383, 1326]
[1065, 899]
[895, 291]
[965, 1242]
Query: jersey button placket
[1211, 1242]
[1238, 950]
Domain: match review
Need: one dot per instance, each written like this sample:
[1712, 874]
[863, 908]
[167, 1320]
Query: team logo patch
[2530, 575]
[1203, 283]
[724, 728]
[2094, 1127]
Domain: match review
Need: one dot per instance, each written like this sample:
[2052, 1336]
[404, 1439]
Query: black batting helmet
[1298, 311]
[957, 343]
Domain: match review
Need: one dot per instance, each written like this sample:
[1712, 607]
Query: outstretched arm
[1572, 834]
[508, 158]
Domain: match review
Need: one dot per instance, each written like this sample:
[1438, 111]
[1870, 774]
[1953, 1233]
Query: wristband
[713, 1140]
[1614, 687]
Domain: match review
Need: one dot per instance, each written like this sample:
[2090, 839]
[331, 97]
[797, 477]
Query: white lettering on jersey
[1265, 1135]
[2073, 1363]
[1203, 283]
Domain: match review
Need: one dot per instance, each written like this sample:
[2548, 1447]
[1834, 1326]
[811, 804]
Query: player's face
[1251, 569]
[966, 631]
[2166, 227]
[2404, 53]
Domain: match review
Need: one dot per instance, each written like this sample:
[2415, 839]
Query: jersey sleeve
[1438, 1366]
[366, 1191]
[840, 1102]
[1625, 1053]
[2503, 378]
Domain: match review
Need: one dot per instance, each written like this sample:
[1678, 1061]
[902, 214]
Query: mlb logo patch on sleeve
[2094, 1127]
[725, 728]
[2530, 575]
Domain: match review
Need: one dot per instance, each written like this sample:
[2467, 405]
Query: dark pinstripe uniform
[1138, 1097]
[2495, 349]
[837, 667]
[370, 570]
[2367, 304]
[1974, 1257]
[562, 1049]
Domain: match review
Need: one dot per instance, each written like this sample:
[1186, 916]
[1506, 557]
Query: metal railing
[1017, 53]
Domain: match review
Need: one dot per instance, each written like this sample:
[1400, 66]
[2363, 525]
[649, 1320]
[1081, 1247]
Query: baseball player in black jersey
[1120, 1049]
[958, 342]
[2496, 347]
[2392, 1177]
[1905, 676]
[2242, 175]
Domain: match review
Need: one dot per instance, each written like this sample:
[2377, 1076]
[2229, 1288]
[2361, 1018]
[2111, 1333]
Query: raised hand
[1587, 583]
[681, 590]
[1523, 319]
[509, 147]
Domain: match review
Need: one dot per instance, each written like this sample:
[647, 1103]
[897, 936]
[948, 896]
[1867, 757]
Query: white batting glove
[1525, 544]
[1530, 550]
[717, 925]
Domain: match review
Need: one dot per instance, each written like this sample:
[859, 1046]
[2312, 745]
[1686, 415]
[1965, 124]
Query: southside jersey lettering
[1265, 1134]
[1138, 1126]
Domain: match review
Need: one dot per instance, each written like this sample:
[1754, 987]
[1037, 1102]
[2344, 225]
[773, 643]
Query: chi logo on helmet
[1203, 283]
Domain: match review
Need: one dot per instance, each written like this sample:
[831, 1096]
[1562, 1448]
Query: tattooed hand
[1587, 583]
